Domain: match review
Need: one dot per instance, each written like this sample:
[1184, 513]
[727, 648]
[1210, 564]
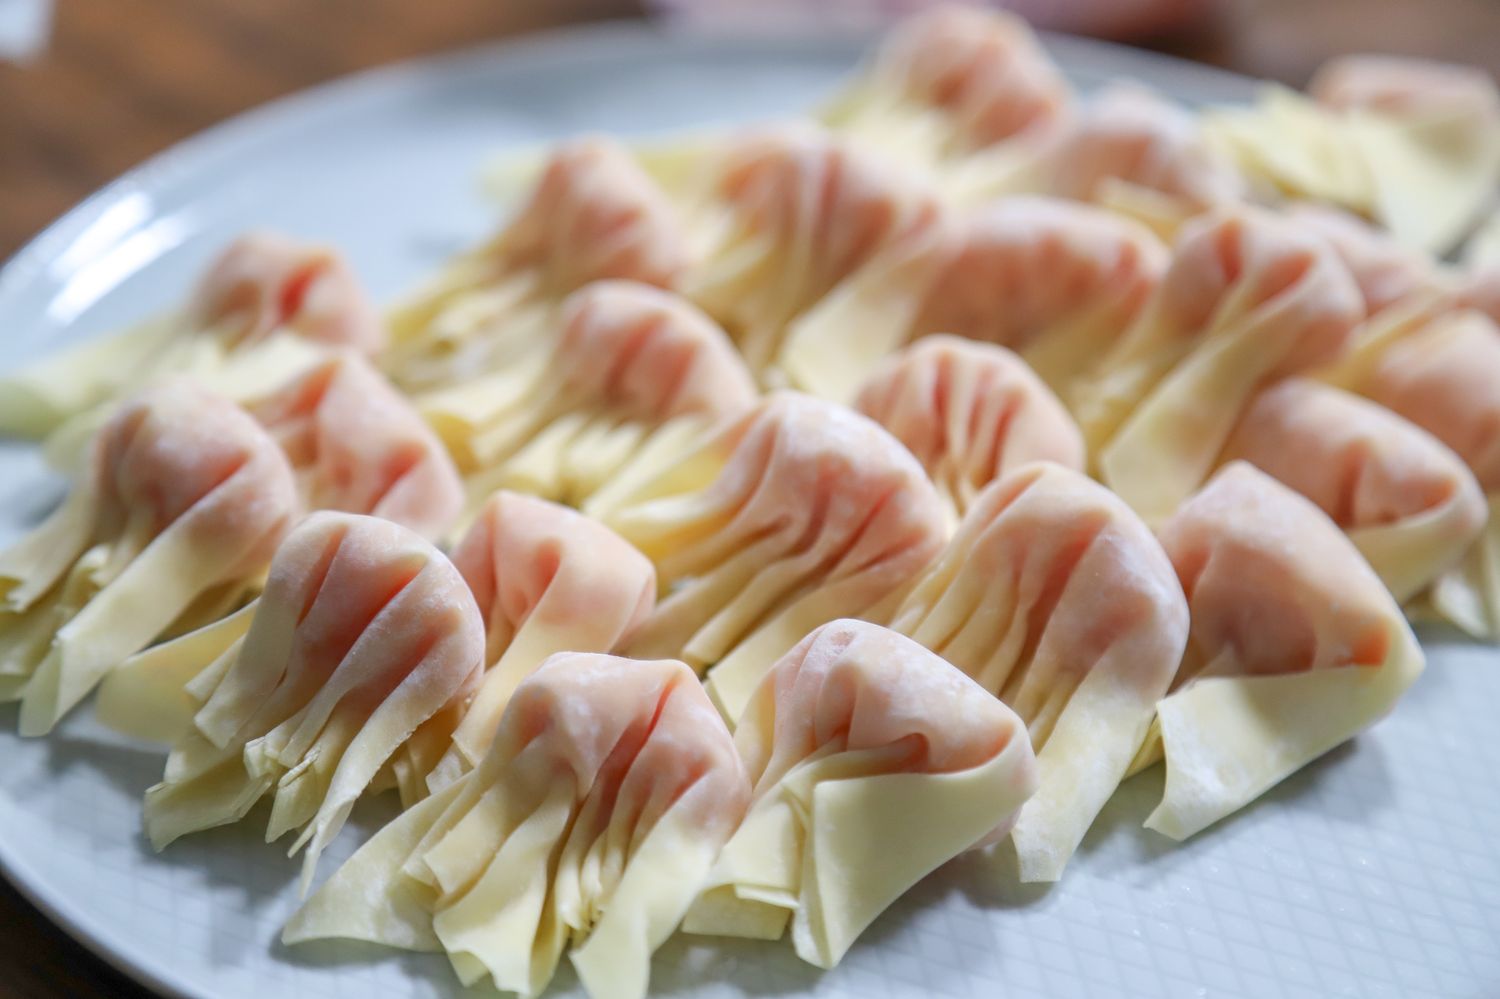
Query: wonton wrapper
[1248, 299]
[873, 762]
[1441, 371]
[792, 212]
[1408, 503]
[1468, 595]
[611, 786]
[182, 503]
[1444, 376]
[1055, 597]
[1287, 143]
[547, 580]
[634, 374]
[1295, 647]
[358, 446]
[364, 632]
[263, 309]
[951, 82]
[592, 215]
[970, 412]
[1143, 156]
[1053, 280]
[1388, 274]
[799, 512]
[1412, 144]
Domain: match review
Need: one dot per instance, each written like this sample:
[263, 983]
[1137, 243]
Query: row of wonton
[555, 416]
[597, 798]
[820, 259]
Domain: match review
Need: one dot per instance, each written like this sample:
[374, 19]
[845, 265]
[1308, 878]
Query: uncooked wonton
[265, 308]
[1248, 299]
[873, 762]
[182, 502]
[358, 446]
[593, 214]
[1055, 598]
[364, 631]
[593, 820]
[970, 412]
[795, 514]
[1053, 280]
[1295, 646]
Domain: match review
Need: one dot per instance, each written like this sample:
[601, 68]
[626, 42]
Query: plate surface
[1375, 872]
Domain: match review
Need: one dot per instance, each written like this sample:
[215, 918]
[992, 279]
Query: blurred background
[90, 88]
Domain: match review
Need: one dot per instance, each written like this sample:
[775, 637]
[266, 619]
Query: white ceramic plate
[1375, 872]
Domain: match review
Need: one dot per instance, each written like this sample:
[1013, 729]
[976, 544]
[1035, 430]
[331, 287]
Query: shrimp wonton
[873, 761]
[183, 500]
[797, 513]
[266, 307]
[358, 446]
[593, 214]
[1055, 281]
[593, 819]
[633, 375]
[793, 212]
[951, 82]
[1055, 598]
[548, 580]
[1248, 299]
[363, 633]
[1295, 647]
[1408, 503]
[970, 412]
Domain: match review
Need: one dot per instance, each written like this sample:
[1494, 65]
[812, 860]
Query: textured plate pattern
[1375, 872]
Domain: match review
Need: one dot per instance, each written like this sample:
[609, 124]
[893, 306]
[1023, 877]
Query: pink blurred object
[1118, 19]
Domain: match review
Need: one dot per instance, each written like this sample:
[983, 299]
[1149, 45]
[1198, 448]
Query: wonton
[1055, 598]
[873, 761]
[182, 502]
[593, 820]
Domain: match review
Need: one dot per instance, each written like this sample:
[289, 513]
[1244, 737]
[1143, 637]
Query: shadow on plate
[324, 955]
[755, 967]
[1118, 843]
[262, 877]
[684, 965]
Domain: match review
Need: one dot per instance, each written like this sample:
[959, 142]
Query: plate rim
[575, 42]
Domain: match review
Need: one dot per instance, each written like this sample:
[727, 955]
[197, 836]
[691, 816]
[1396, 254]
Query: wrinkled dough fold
[268, 305]
[593, 820]
[1295, 647]
[363, 633]
[1248, 299]
[181, 504]
[873, 762]
[969, 412]
[1055, 281]
[1055, 598]
[797, 513]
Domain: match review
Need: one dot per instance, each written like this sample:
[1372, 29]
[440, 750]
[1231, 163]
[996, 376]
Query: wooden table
[124, 79]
